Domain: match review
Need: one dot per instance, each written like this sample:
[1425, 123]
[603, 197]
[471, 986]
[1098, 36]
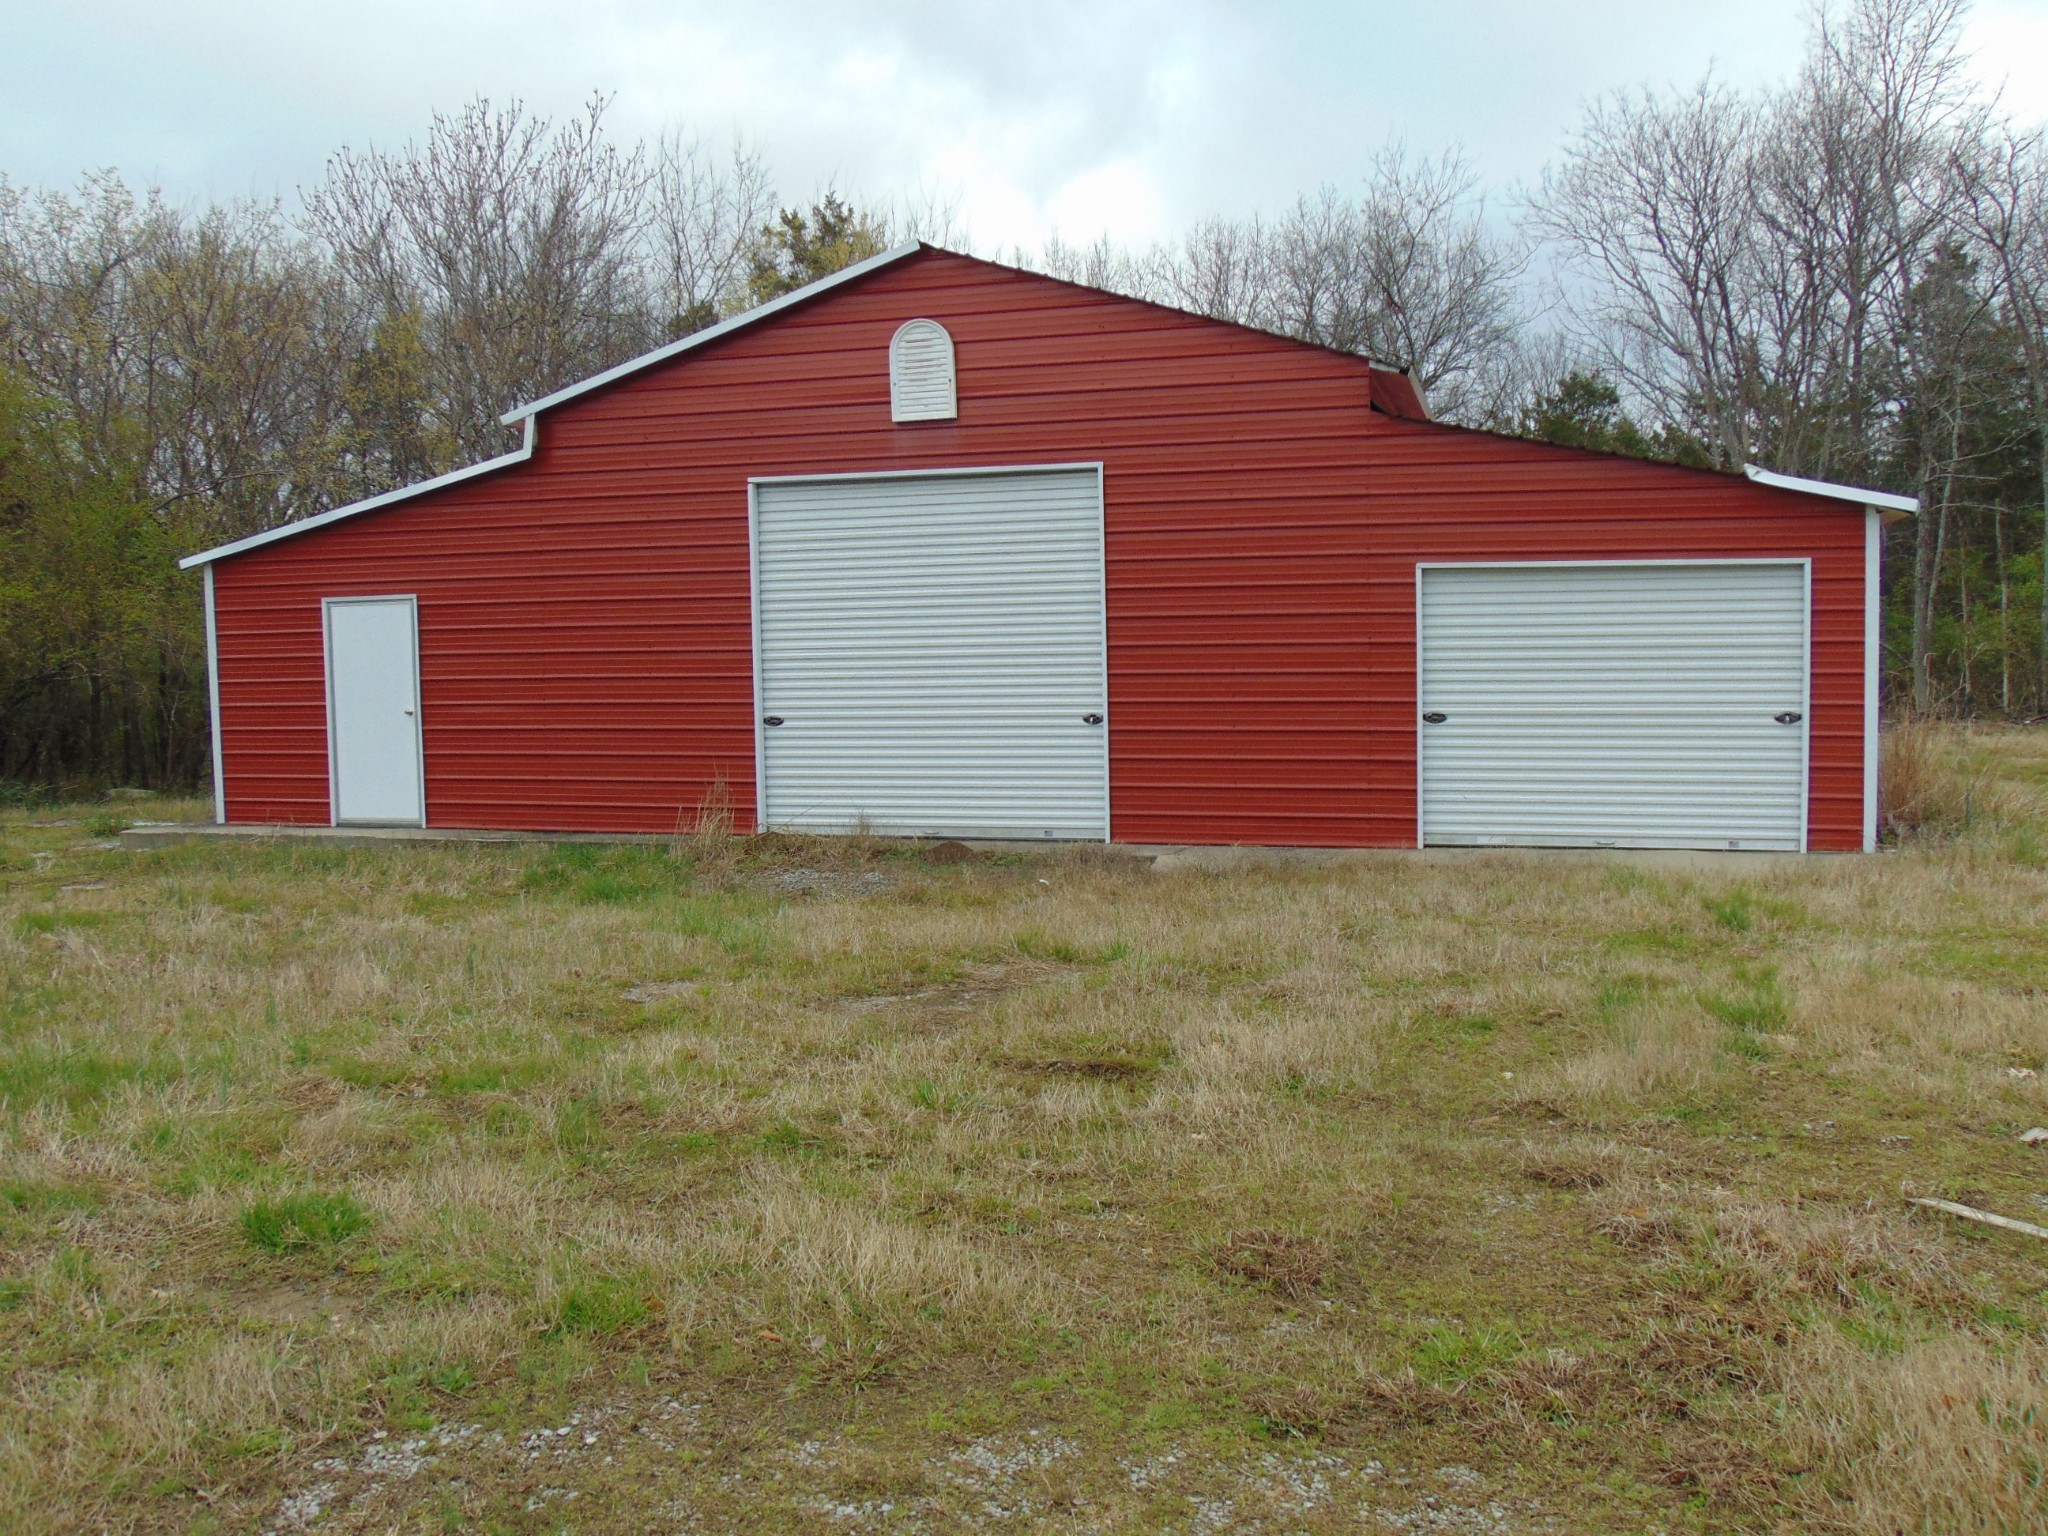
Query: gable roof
[1392, 391]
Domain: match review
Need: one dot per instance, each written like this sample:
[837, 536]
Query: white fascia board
[713, 332]
[518, 455]
[1879, 501]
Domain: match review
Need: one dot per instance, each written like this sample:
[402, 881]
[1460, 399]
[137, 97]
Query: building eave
[1891, 508]
[518, 455]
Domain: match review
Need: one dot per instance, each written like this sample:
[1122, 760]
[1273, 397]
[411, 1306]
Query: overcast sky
[1031, 115]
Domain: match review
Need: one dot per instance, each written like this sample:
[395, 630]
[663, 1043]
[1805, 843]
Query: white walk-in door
[1614, 705]
[930, 654]
[373, 722]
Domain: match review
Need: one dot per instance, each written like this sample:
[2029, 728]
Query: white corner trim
[518, 455]
[1873, 655]
[712, 332]
[1880, 501]
[220, 777]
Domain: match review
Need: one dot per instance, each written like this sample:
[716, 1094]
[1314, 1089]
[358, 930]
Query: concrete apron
[1165, 858]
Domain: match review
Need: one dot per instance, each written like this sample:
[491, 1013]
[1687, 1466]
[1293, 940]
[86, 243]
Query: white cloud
[1087, 115]
[2009, 43]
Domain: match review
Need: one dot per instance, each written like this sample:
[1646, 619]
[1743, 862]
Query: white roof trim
[1881, 501]
[712, 332]
[518, 455]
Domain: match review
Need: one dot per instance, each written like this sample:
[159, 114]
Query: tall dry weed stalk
[706, 835]
[1930, 784]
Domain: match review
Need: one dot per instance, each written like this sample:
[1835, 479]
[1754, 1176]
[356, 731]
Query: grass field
[778, 1185]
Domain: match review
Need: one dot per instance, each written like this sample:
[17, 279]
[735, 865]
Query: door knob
[1788, 717]
[1435, 717]
[771, 719]
[1091, 719]
[408, 709]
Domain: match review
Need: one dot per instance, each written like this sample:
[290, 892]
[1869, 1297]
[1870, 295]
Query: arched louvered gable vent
[921, 373]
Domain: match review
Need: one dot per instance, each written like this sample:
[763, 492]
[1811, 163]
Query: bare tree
[2006, 172]
[1439, 285]
[1411, 273]
[194, 358]
[1758, 270]
[1100, 264]
[1221, 268]
[1650, 212]
[70, 318]
[704, 225]
[1885, 88]
[513, 243]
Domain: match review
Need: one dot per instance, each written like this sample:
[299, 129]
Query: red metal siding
[584, 617]
[1443, 494]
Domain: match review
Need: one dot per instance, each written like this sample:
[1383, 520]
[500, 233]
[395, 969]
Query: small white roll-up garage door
[1614, 704]
[931, 654]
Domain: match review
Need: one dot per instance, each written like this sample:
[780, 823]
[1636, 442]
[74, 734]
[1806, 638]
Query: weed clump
[1929, 785]
[310, 1220]
[1285, 1264]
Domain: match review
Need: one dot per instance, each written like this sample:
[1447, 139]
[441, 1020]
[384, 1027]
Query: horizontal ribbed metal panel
[586, 652]
[931, 646]
[1614, 705]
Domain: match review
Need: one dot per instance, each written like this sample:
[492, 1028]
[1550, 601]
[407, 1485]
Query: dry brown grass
[1948, 1434]
[1935, 780]
[1285, 1263]
[1004, 1182]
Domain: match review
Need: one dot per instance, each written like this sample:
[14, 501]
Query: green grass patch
[597, 1305]
[1752, 1007]
[309, 1220]
[1445, 1355]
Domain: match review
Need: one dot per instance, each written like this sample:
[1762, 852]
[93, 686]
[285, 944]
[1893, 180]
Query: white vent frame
[923, 381]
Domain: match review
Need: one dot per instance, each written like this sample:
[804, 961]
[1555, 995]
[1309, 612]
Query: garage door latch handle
[1091, 719]
[1435, 717]
[771, 719]
[1788, 717]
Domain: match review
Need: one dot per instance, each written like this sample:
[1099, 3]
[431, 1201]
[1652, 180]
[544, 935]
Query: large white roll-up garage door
[931, 654]
[1614, 705]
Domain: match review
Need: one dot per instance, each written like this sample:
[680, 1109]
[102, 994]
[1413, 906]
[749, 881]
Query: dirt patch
[311, 1092]
[1579, 1165]
[1112, 1069]
[827, 884]
[951, 852]
[295, 1306]
[662, 991]
[975, 988]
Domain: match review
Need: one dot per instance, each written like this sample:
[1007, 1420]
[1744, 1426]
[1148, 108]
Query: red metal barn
[938, 547]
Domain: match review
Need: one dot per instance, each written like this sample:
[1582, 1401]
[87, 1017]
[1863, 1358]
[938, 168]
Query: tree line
[1844, 277]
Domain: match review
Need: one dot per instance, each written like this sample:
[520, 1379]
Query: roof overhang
[518, 455]
[1889, 507]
